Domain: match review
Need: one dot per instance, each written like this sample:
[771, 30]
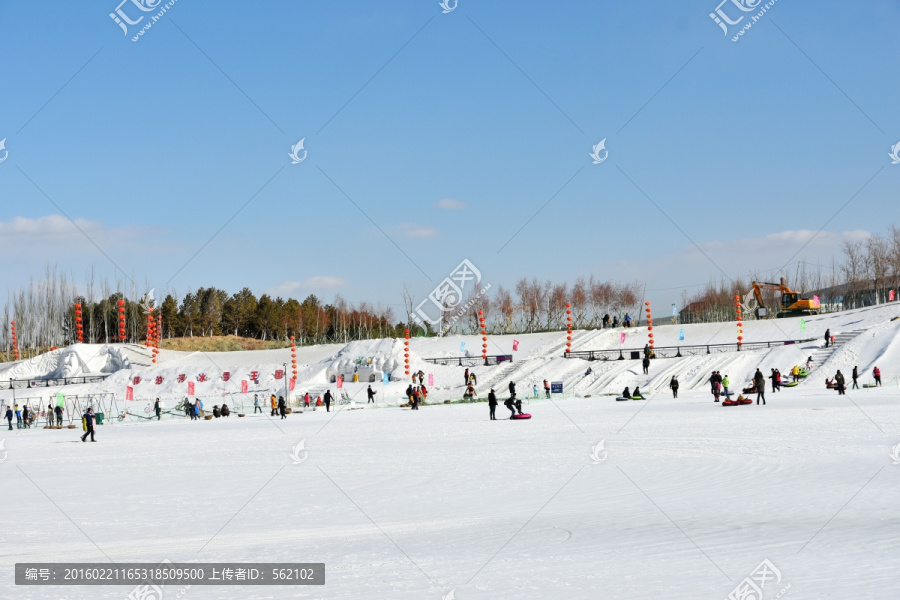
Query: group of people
[25, 417]
[719, 385]
[513, 403]
[417, 394]
[606, 323]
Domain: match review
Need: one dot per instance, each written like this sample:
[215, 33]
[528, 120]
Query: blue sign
[387, 378]
[462, 347]
[556, 387]
[681, 335]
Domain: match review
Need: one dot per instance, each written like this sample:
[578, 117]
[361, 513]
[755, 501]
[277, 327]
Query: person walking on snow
[760, 382]
[674, 385]
[876, 372]
[466, 377]
[646, 364]
[774, 379]
[256, 406]
[59, 416]
[89, 425]
[809, 363]
[534, 389]
[306, 400]
[281, 407]
[273, 402]
[725, 384]
[371, 395]
[839, 383]
[327, 399]
[855, 376]
[492, 404]
[9, 416]
[18, 417]
[25, 417]
[157, 409]
[49, 415]
[627, 320]
[827, 337]
[547, 388]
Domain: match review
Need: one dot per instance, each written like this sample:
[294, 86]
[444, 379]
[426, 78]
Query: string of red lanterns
[15, 340]
[121, 304]
[568, 327]
[294, 357]
[406, 350]
[79, 331]
[740, 320]
[649, 323]
[157, 336]
[483, 335]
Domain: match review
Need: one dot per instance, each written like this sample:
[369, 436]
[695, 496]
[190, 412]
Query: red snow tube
[522, 416]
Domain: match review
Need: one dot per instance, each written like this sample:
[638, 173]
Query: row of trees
[865, 274]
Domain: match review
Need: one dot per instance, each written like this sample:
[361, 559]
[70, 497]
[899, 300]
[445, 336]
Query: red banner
[515, 345]
[279, 373]
[129, 393]
[244, 387]
[291, 384]
[891, 296]
[340, 382]
[136, 380]
[190, 388]
[181, 378]
[254, 375]
[159, 379]
[226, 375]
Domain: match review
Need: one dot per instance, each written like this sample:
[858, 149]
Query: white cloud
[413, 230]
[312, 284]
[24, 233]
[450, 204]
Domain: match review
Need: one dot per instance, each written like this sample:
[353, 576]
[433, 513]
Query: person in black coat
[646, 363]
[760, 382]
[492, 404]
[59, 415]
[327, 399]
[371, 394]
[855, 376]
[9, 416]
[512, 388]
[281, 407]
[511, 405]
[674, 385]
[157, 409]
[89, 424]
[839, 383]
[827, 337]
[225, 410]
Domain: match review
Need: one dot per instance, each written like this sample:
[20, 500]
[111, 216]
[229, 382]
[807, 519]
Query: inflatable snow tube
[622, 399]
[790, 384]
[803, 373]
[522, 416]
[749, 390]
[638, 398]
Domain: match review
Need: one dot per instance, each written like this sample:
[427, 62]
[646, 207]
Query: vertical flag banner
[279, 373]
[674, 311]
[340, 382]
[387, 378]
[244, 386]
[622, 338]
[190, 388]
[431, 380]
[462, 347]
[802, 324]
[515, 345]
[681, 335]
[292, 383]
[129, 393]
[891, 296]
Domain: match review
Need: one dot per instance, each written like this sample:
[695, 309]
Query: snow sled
[522, 416]
[621, 398]
[790, 384]
[750, 390]
[638, 398]
[736, 402]
[803, 373]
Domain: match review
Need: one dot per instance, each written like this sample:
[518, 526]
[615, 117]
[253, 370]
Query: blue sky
[151, 147]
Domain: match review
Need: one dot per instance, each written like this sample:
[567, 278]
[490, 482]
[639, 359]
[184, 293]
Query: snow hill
[867, 337]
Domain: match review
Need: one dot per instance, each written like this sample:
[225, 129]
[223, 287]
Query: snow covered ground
[683, 499]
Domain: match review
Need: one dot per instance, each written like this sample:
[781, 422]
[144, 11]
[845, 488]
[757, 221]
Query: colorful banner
[226, 375]
[340, 382]
[802, 324]
[129, 393]
[431, 380]
[674, 311]
[681, 335]
[386, 378]
[136, 380]
[622, 338]
[181, 378]
[462, 347]
[190, 388]
[244, 386]
[60, 399]
[515, 345]
[891, 296]
[292, 383]
[279, 373]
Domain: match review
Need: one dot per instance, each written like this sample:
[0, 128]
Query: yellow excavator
[792, 305]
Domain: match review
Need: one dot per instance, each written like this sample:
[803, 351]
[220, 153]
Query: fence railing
[678, 351]
[471, 361]
[10, 384]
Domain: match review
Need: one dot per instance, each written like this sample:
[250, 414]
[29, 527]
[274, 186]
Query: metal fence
[52, 382]
[471, 361]
[678, 351]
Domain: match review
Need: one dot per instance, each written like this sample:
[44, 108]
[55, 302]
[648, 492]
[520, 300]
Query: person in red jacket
[877, 373]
